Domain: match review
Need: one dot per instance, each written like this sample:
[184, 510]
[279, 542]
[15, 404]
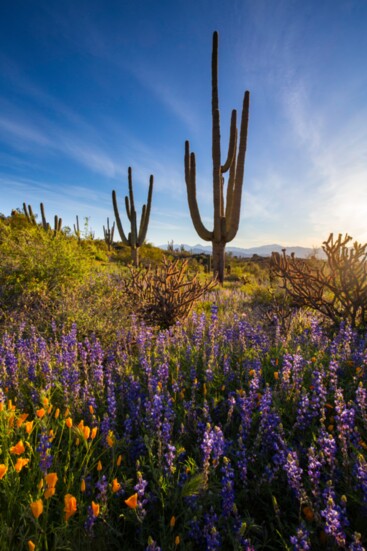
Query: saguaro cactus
[135, 238]
[226, 216]
[108, 234]
[46, 226]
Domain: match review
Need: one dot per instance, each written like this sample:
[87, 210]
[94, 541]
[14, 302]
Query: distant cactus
[226, 217]
[46, 226]
[108, 234]
[77, 231]
[135, 238]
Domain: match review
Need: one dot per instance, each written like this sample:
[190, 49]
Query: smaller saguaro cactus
[108, 234]
[135, 238]
[77, 231]
[46, 226]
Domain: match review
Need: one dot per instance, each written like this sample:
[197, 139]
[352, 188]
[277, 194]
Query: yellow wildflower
[37, 508]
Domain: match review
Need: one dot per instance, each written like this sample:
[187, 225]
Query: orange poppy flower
[3, 469]
[37, 508]
[69, 422]
[86, 432]
[118, 461]
[115, 485]
[95, 509]
[41, 413]
[93, 433]
[21, 419]
[49, 492]
[99, 465]
[132, 501]
[82, 486]
[70, 506]
[18, 448]
[51, 479]
[31, 545]
[172, 522]
[29, 426]
[21, 462]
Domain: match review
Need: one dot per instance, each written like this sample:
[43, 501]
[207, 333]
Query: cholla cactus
[226, 216]
[336, 287]
[135, 238]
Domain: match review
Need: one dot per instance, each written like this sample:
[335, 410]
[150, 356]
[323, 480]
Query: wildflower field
[213, 434]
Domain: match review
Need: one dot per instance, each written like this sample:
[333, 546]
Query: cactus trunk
[219, 260]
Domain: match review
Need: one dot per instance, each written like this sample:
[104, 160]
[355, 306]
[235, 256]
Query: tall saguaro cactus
[46, 226]
[226, 214]
[135, 238]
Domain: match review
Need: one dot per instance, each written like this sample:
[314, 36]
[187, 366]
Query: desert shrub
[36, 268]
[163, 295]
[337, 287]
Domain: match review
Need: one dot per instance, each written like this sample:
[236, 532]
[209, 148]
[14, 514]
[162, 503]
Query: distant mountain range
[264, 250]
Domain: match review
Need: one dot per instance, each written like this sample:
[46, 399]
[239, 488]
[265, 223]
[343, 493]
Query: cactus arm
[29, 214]
[190, 178]
[237, 194]
[127, 206]
[45, 224]
[124, 239]
[232, 143]
[144, 221]
[231, 184]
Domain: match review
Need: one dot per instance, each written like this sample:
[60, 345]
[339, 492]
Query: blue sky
[89, 88]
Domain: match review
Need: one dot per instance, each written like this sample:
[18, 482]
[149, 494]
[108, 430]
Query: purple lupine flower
[314, 471]
[334, 515]
[360, 472]
[301, 540]
[356, 544]
[328, 448]
[140, 489]
[294, 474]
[345, 422]
[211, 534]
[152, 546]
[90, 522]
[43, 449]
[227, 491]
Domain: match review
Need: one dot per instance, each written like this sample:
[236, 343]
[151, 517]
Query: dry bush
[336, 287]
[163, 295]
